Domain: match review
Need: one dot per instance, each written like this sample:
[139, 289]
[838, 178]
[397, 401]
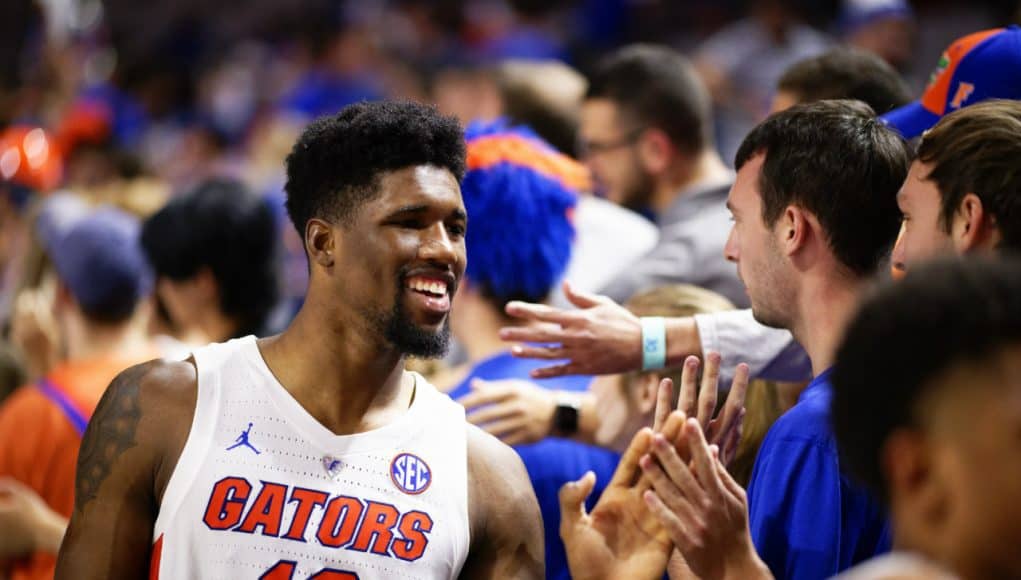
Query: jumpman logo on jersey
[242, 441]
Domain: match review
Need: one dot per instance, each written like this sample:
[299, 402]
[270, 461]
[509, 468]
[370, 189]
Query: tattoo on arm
[111, 432]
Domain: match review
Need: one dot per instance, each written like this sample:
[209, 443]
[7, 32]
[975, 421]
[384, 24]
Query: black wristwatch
[565, 417]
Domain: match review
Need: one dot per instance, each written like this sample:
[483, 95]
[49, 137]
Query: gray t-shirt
[608, 240]
[692, 234]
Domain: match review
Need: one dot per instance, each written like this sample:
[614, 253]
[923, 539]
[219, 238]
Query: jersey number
[284, 570]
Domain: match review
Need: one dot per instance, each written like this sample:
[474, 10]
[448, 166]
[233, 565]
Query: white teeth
[439, 288]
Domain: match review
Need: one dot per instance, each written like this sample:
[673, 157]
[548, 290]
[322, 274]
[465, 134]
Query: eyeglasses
[586, 148]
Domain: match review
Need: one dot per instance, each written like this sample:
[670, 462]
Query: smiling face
[400, 259]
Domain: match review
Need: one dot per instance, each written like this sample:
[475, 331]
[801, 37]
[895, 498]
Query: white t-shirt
[771, 353]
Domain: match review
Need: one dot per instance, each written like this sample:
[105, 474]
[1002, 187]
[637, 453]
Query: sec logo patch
[410, 473]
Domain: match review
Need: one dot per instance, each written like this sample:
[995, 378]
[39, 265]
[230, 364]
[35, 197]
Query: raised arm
[603, 337]
[506, 525]
[127, 455]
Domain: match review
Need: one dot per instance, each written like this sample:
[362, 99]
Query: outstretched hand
[602, 337]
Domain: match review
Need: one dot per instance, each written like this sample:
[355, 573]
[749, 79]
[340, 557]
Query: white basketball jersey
[263, 490]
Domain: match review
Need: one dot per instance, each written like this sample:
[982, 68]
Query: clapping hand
[621, 537]
[723, 430]
[702, 508]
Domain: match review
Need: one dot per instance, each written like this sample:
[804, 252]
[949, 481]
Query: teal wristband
[653, 342]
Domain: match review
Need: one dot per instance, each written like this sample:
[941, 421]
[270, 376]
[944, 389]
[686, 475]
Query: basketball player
[313, 453]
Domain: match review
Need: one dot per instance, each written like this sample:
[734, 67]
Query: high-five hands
[674, 478]
[723, 430]
[621, 537]
[702, 508]
[671, 498]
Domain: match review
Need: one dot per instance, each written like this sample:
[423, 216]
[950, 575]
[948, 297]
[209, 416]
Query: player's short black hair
[335, 165]
[846, 73]
[905, 336]
[656, 87]
[225, 227]
[836, 160]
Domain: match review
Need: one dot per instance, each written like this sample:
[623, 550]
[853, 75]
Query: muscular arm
[126, 457]
[506, 526]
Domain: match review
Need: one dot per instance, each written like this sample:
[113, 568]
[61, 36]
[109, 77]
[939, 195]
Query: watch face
[565, 420]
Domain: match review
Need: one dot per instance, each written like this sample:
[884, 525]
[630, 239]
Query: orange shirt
[39, 443]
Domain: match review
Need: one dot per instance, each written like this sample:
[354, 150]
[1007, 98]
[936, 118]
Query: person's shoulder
[808, 421]
[29, 422]
[159, 378]
[489, 459]
[506, 524]
[148, 410]
[158, 395]
[495, 471]
[26, 399]
[599, 213]
[699, 204]
[29, 414]
[799, 438]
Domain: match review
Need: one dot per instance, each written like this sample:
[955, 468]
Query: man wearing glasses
[646, 134]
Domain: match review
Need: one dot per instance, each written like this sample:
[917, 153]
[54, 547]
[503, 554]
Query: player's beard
[410, 338]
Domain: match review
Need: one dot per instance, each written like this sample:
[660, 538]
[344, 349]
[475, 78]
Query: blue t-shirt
[551, 462]
[808, 520]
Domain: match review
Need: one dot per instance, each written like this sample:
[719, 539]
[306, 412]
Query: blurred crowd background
[176, 116]
[136, 104]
